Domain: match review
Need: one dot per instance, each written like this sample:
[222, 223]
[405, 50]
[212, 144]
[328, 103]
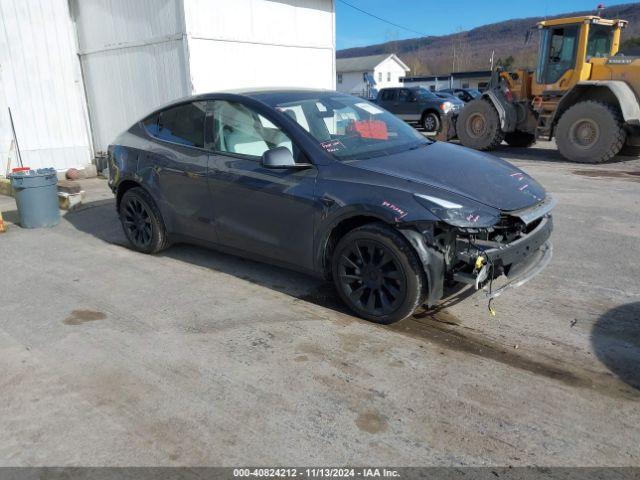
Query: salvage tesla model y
[332, 185]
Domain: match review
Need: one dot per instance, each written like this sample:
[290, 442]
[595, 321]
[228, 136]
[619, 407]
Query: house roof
[364, 64]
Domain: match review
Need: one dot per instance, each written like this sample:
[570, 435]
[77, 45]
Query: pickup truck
[419, 105]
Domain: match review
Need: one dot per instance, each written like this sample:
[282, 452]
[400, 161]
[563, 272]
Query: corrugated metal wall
[261, 43]
[133, 60]
[40, 80]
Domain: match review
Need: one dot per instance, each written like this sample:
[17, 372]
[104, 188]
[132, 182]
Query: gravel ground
[192, 357]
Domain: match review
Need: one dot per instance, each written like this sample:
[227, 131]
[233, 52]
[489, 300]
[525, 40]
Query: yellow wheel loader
[582, 93]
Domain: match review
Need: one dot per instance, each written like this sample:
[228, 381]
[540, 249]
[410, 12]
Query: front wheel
[431, 122]
[479, 126]
[378, 274]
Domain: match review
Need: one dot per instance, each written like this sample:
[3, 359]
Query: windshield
[349, 127]
[424, 93]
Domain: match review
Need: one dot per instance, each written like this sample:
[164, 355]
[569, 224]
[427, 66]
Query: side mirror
[281, 157]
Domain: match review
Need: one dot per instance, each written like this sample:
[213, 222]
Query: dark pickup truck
[420, 105]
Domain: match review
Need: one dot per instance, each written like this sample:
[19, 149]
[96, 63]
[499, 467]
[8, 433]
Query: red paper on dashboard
[375, 129]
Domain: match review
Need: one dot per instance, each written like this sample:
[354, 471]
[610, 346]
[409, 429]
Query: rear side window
[183, 124]
[388, 95]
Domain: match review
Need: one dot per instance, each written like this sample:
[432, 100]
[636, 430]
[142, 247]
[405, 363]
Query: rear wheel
[479, 126]
[519, 139]
[590, 132]
[431, 122]
[632, 147]
[377, 274]
[142, 222]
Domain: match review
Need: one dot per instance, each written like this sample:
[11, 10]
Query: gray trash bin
[36, 195]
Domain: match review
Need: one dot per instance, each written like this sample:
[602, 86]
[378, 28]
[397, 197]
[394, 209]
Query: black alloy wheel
[137, 222]
[372, 277]
[378, 274]
[142, 222]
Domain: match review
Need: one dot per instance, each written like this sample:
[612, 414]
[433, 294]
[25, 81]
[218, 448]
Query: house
[476, 79]
[360, 75]
[94, 67]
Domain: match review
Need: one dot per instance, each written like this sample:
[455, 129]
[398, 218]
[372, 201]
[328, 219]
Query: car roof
[260, 94]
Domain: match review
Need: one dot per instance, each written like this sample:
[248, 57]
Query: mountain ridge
[435, 54]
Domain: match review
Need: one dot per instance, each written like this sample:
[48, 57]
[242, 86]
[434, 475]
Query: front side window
[183, 124]
[348, 127]
[404, 95]
[239, 130]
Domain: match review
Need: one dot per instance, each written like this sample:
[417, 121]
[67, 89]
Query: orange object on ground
[3, 228]
[375, 129]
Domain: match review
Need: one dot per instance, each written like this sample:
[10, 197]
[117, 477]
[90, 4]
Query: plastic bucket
[36, 194]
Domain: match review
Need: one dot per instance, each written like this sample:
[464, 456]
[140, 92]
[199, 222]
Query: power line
[382, 19]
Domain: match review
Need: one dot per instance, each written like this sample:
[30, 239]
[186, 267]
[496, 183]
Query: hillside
[435, 55]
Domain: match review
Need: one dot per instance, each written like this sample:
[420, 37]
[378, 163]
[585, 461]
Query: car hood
[475, 175]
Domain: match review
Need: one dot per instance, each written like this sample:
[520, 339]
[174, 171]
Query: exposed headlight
[446, 107]
[458, 215]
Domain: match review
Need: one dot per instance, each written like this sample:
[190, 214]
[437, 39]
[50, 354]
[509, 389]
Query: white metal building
[78, 72]
[476, 79]
[387, 70]
[40, 79]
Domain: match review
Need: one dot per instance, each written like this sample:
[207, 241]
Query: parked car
[331, 185]
[418, 105]
[457, 103]
[464, 94]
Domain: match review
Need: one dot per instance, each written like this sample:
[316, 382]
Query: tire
[519, 139]
[478, 126]
[378, 274]
[431, 122]
[630, 151]
[590, 132]
[142, 222]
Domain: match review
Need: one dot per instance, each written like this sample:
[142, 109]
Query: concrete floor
[110, 357]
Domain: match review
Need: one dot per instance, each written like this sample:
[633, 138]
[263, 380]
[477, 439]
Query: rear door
[176, 164]
[388, 99]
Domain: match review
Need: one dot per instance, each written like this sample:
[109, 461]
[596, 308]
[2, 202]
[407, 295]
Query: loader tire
[590, 132]
[479, 126]
[519, 139]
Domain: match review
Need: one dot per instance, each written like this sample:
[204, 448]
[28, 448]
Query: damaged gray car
[331, 185]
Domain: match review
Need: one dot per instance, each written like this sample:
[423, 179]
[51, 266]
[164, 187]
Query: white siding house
[386, 70]
[78, 72]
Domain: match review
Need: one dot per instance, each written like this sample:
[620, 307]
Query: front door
[558, 50]
[267, 212]
[408, 108]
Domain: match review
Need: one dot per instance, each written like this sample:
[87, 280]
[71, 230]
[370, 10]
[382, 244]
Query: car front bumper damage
[518, 261]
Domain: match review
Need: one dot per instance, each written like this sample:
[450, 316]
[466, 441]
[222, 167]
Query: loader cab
[567, 45]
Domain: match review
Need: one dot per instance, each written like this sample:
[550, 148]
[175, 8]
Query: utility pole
[493, 53]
